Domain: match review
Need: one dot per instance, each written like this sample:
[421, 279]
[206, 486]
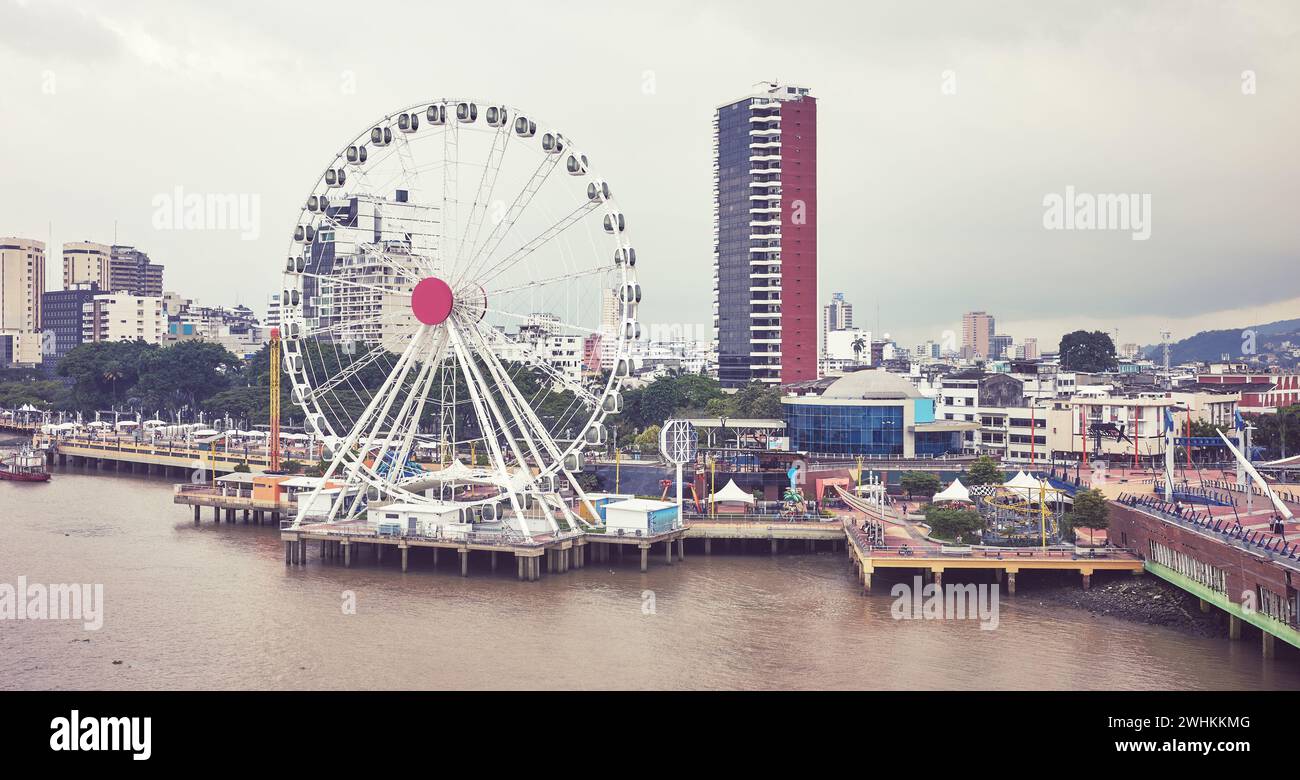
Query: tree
[859, 344]
[103, 373]
[920, 483]
[984, 471]
[39, 393]
[954, 524]
[1091, 511]
[184, 374]
[1088, 351]
[648, 440]
[1277, 433]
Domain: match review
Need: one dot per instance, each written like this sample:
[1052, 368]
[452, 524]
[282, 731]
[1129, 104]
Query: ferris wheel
[458, 303]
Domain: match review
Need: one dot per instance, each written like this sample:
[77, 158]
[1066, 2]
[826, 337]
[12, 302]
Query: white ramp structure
[454, 268]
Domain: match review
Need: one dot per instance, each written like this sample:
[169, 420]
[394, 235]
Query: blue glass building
[870, 412]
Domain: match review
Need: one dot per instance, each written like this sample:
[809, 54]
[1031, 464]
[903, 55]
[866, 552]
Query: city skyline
[937, 154]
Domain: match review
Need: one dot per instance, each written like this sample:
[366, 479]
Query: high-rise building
[609, 325]
[130, 270]
[976, 335]
[22, 280]
[61, 314]
[836, 315]
[765, 237]
[1031, 349]
[998, 346]
[85, 262]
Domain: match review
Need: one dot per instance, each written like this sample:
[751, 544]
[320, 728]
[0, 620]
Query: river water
[214, 606]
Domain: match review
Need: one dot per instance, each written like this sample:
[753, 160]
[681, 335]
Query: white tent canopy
[1021, 480]
[732, 492]
[954, 492]
[1034, 489]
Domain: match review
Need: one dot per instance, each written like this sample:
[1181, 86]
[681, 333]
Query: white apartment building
[123, 317]
[273, 310]
[365, 314]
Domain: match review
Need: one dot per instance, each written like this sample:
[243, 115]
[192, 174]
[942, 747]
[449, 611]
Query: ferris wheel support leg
[397, 379]
[514, 446]
[544, 437]
[518, 409]
[435, 366]
[346, 446]
[487, 429]
[405, 422]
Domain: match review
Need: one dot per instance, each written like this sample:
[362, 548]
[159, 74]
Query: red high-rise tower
[766, 317]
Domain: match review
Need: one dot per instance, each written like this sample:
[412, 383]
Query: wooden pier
[343, 542]
[1005, 562]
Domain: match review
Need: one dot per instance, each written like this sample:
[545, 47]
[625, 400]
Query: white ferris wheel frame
[458, 335]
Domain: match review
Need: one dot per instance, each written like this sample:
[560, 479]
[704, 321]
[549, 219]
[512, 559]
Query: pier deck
[562, 552]
[934, 559]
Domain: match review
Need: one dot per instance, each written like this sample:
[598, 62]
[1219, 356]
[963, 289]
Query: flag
[1237, 421]
[1169, 420]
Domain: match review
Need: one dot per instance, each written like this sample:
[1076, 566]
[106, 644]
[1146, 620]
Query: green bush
[954, 525]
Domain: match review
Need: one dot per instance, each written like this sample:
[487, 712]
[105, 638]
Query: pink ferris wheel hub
[431, 301]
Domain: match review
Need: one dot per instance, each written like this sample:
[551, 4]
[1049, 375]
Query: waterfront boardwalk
[1230, 555]
[905, 547]
[163, 458]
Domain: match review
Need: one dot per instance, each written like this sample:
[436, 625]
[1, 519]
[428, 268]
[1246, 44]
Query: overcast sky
[930, 203]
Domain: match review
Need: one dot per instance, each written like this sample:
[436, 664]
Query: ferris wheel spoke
[433, 368]
[530, 317]
[352, 324]
[501, 229]
[546, 368]
[567, 277]
[523, 422]
[486, 425]
[371, 252]
[371, 356]
[486, 186]
[344, 451]
[510, 260]
[390, 395]
[543, 435]
[450, 194]
[404, 422]
[511, 391]
[349, 283]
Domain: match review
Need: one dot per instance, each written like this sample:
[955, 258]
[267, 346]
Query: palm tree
[112, 373]
[859, 344]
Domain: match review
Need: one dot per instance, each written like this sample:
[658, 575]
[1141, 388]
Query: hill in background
[1209, 346]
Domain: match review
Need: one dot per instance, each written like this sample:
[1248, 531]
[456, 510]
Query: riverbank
[1147, 600]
